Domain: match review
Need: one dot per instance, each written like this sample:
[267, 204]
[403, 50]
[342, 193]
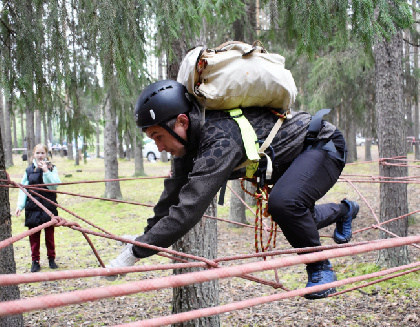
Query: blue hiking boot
[320, 273]
[342, 232]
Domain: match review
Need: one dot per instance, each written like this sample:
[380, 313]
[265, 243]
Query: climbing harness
[251, 143]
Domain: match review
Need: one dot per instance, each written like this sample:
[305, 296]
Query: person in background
[41, 171]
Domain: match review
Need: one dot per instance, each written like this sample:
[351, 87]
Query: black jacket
[214, 149]
[35, 216]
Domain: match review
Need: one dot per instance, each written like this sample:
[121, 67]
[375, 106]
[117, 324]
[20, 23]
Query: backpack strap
[314, 127]
[249, 137]
[267, 143]
[251, 143]
[311, 141]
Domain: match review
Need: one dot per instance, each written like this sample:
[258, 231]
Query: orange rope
[261, 195]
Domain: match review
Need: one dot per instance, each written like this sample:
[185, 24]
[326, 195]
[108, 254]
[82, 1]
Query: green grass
[391, 286]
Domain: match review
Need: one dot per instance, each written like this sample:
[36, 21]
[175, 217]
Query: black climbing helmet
[160, 102]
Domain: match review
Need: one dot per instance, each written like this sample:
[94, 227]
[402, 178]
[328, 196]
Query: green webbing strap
[250, 140]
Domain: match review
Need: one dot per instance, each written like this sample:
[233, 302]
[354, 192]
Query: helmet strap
[172, 132]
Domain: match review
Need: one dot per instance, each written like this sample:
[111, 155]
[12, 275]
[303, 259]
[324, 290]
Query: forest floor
[392, 303]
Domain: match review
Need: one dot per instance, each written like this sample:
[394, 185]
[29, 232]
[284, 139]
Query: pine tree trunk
[2, 124]
[237, 210]
[49, 127]
[112, 189]
[8, 153]
[138, 155]
[77, 154]
[22, 129]
[30, 133]
[164, 156]
[84, 150]
[349, 132]
[368, 149]
[61, 143]
[416, 90]
[120, 142]
[392, 138]
[408, 87]
[200, 241]
[15, 141]
[69, 147]
[98, 135]
[37, 127]
[7, 259]
[160, 68]
[44, 128]
[370, 122]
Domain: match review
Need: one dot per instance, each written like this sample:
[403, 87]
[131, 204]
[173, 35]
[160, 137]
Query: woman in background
[41, 171]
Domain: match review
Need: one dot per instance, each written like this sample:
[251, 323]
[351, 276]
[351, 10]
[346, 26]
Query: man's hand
[125, 259]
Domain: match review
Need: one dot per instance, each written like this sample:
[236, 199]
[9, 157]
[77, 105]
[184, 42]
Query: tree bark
[44, 128]
[349, 132]
[49, 127]
[368, 148]
[237, 210]
[8, 153]
[112, 189]
[416, 89]
[2, 124]
[370, 118]
[38, 126]
[7, 259]
[77, 154]
[22, 129]
[408, 89]
[164, 156]
[69, 147]
[98, 134]
[15, 141]
[138, 155]
[120, 142]
[392, 138]
[200, 241]
[30, 133]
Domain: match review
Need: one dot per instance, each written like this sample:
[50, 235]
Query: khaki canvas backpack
[237, 75]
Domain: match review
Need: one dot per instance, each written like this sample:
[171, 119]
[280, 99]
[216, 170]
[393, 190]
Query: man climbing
[307, 154]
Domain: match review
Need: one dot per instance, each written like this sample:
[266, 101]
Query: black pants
[292, 199]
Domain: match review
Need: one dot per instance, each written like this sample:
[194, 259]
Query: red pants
[35, 241]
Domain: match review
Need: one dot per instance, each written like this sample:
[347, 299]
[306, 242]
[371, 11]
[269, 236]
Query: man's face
[166, 141]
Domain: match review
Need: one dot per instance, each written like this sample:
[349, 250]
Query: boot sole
[316, 296]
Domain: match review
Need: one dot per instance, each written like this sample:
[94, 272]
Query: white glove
[128, 237]
[125, 259]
